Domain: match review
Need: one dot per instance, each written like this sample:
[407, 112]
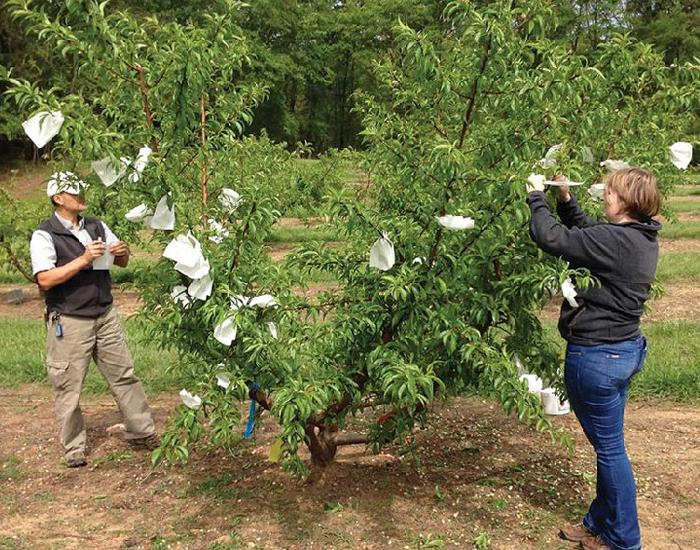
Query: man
[81, 322]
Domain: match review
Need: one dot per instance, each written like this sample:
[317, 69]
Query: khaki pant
[68, 358]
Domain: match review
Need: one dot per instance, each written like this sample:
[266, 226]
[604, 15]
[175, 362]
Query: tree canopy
[459, 114]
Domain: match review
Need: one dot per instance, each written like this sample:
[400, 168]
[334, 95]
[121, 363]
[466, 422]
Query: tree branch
[16, 262]
[146, 105]
[472, 97]
[351, 439]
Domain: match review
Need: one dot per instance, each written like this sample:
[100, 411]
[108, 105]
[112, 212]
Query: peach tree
[437, 284]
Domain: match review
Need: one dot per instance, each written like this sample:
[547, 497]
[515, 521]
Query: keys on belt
[55, 320]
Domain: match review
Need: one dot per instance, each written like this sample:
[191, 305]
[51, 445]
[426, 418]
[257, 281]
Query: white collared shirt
[43, 251]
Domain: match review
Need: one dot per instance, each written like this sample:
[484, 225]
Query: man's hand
[94, 250]
[118, 249]
[535, 183]
[120, 252]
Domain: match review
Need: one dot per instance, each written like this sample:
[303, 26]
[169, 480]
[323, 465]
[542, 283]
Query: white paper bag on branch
[454, 223]
[106, 170]
[681, 154]
[225, 332]
[43, 127]
[201, 288]
[381, 255]
[223, 381]
[229, 199]
[550, 157]
[180, 296]
[164, 216]
[596, 191]
[191, 401]
[139, 213]
[140, 164]
[569, 292]
[614, 165]
[264, 300]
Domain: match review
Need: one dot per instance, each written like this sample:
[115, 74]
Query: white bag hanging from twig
[596, 191]
[225, 332]
[681, 154]
[550, 157]
[264, 300]
[229, 199]
[220, 233]
[139, 213]
[106, 171]
[239, 301]
[223, 381]
[569, 292]
[191, 401]
[201, 288]
[179, 295]
[140, 164]
[381, 255]
[454, 223]
[184, 249]
[164, 216]
[615, 165]
[43, 127]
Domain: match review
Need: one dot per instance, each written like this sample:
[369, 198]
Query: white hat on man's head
[65, 182]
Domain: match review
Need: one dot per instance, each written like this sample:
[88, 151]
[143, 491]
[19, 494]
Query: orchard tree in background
[461, 118]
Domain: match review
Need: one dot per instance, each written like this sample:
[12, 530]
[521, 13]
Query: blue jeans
[597, 378]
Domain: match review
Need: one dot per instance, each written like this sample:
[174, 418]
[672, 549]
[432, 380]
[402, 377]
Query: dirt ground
[481, 474]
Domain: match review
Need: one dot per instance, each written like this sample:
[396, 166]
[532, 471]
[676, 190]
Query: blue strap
[251, 415]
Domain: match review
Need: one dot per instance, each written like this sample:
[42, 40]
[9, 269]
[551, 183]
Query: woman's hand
[564, 194]
[535, 183]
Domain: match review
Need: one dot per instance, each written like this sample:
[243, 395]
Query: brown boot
[591, 542]
[575, 533]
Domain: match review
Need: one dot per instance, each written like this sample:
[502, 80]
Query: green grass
[23, 358]
[9, 468]
[684, 206]
[679, 267]
[304, 234]
[681, 230]
[672, 368]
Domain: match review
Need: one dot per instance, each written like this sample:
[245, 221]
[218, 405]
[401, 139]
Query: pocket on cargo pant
[58, 373]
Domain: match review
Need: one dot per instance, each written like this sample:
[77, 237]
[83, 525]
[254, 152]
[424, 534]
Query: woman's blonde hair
[637, 191]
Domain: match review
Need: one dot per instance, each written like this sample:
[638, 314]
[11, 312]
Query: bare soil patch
[26, 182]
[482, 473]
[299, 222]
[679, 245]
[683, 198]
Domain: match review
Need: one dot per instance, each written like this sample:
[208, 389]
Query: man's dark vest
[89, 292]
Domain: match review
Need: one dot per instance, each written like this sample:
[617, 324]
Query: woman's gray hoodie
[622, 257]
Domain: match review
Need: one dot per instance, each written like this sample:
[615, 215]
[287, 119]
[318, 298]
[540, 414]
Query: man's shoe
[76, 462]
[150, 442]
[575, 533]
[594, 543]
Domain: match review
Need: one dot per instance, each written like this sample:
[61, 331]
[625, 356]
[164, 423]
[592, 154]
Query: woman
[605, 346]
